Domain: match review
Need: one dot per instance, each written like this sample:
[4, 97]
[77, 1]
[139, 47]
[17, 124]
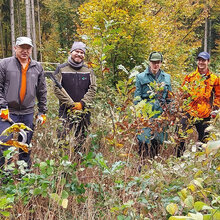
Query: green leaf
[179, 218]
[43, 165]
[197, 182]
[215, 214]
[197, 216]
[201, 206]
[64, 194]
[212, 146]
[172, 208]
[5, 213]
[37, 191]
[55, 197]
[189, 201]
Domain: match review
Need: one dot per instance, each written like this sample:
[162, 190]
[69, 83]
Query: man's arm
[63, 98]
[42, 93]
[3, 102]
[216, 103]
[89, 96]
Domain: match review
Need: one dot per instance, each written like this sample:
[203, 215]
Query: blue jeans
[28, 121]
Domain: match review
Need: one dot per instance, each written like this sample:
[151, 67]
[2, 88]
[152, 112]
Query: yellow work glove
[77, 106]
[4, 113]
[41, 118]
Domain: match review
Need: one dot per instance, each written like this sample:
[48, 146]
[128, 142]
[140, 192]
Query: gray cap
[78, 45]
[23, 40]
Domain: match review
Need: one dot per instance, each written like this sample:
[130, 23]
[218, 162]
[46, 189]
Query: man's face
[155, 66]
[77, 55]
[23, 52]
[202, 64]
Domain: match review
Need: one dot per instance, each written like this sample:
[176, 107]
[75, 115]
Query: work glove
[4, 113]
[214, 113]
[77, 106]
[41, 118]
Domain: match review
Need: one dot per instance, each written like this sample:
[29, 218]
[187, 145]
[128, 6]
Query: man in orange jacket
[203, 88]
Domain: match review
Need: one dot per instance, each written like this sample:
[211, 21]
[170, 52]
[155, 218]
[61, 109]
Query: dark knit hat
[78, 45]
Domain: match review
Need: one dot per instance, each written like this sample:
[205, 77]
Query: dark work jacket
[80, 84]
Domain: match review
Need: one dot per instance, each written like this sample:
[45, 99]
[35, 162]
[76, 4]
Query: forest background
[102, 181]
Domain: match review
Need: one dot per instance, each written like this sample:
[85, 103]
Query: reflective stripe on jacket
[204, 91]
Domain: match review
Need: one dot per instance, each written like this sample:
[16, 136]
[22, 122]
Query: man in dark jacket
[21, 81]
[80, 84]
[152, 86]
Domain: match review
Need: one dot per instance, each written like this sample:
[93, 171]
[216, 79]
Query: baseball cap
[204, 55]
[156, 56]
[78, 45]
[23, 40]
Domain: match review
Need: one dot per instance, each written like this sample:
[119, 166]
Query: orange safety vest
[204, 91]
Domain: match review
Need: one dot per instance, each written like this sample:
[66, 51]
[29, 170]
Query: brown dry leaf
[17, 144]
[132, 90]
[16, 127]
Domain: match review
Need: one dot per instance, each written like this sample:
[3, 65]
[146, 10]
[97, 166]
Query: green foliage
[125, 32]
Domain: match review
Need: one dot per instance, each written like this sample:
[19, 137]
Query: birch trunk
[19, 19]
[28, 18]
[210, 36]
[33, 30]
[39, 29]
[205, 35]
[12, 21]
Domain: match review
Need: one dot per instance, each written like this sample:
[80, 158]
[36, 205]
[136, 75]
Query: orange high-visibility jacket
[204, 91]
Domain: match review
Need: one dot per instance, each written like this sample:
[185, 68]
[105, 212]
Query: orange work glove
[41, 118]
[4, 113]
[77, 106]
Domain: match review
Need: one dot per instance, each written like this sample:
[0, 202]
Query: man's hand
[214, 113]
[77, 106]
[41, 118]
[4, 113]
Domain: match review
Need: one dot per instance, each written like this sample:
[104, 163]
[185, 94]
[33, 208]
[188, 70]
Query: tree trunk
[1, 34]
[19, 19]
[28, 18]
[210, 36]
[205, 35]
[33, 31]
[12, 20]
[39, 30]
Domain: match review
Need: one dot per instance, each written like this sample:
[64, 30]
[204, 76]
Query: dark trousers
[151, 149]
[28, 121]
[200, 125]
[78, 123]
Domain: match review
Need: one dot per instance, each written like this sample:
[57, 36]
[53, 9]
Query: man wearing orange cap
[203, 92]
[21, 82]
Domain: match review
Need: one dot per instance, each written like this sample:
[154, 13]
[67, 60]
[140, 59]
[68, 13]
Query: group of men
[203, 98]
[22, 80]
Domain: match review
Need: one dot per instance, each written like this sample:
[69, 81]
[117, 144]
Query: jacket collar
[32, 62]
[158, 75]
[207, 74]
